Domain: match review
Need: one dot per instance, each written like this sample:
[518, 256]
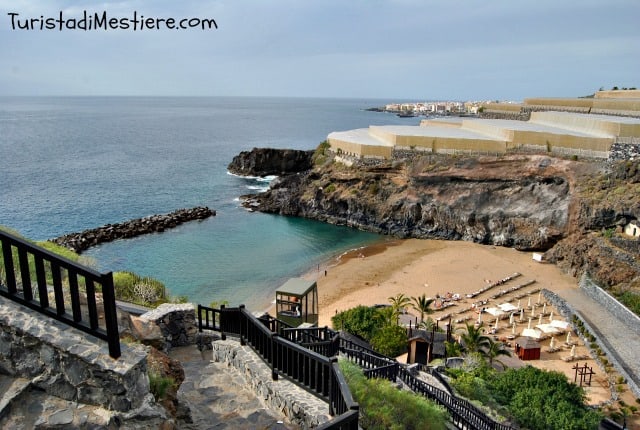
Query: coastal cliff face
[519, 202]
[268, 161]
[530, 202]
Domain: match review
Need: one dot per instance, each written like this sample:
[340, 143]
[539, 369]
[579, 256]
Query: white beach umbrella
[573, 351]
[551, 316]
[540, 319]
[539, 296]
[513, 329]
[521, 314]
[568, 337]
[480, 318]
[496, 324]
[529, 302]
[518, 303]
[544, 308]
[552, 344]
[511, 319]
[529, 325]
[533, 312]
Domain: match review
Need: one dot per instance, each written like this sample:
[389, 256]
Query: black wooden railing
[296, 353]
[27, 272]
[314, 372]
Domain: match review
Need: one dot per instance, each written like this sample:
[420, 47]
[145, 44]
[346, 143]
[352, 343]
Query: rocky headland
[572, 210]
[267, 161]
[84, 240]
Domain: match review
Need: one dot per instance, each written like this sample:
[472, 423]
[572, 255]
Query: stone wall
[610, 303]
[568, 312]
[177, 323]
[300, 407]
[69, 364]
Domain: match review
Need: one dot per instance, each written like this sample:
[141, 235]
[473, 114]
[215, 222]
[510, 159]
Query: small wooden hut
[297, 302]
[527, 348]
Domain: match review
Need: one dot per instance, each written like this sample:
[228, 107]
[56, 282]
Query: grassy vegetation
[320, 156]
[383, 406]
[133, 288]
[159, 385]
[377, 326]
[536, 399]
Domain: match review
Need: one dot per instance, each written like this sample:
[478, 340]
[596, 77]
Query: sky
[383, 49]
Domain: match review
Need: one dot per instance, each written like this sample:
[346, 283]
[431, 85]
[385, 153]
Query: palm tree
[427, 324]
[398, 303]
[472, 339]
[492, 350]
[422, 305]
[454, 349]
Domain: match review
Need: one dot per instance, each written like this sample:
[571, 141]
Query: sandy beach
[413, 267]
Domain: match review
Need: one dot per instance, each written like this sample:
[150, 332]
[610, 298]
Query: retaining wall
[69, 364]
[280, 395]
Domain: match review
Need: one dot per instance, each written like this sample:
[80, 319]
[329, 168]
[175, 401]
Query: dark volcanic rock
[79, 242]
[508, 203]
[269, 161]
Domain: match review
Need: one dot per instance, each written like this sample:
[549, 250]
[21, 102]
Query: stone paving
[218, 397]
[624, 340]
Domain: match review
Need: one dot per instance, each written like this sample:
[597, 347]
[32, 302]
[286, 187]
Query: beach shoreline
[371, 274]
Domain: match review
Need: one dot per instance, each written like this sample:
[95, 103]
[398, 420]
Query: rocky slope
[530, 202]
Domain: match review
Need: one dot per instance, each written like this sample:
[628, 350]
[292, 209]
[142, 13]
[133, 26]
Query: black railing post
[243, 325]
[223, 336]
[274, 355]
[110, 315]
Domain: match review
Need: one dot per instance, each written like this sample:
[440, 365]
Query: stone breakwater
[82, 241]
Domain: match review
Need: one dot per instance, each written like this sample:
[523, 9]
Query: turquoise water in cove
[72, 163]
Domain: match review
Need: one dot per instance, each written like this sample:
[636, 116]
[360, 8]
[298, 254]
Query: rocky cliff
[268, 161]
[530, 202]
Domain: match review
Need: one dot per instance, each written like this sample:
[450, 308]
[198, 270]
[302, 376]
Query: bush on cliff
[133, 288]
[383, 406]
[320, 155]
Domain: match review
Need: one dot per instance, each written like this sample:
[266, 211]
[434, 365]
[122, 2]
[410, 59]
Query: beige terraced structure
[569, 132]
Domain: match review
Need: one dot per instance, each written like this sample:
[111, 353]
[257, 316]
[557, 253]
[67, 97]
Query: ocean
[72, 163]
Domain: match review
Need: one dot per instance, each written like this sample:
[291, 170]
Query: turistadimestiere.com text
[103, 21]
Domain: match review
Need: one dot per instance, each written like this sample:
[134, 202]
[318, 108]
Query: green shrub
[133, 288]
[540, 399]
[329, 189]
[390, 340]
[361, 321]
[319, 156]
[383, 406]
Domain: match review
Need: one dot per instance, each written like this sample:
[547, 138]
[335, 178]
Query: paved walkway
[217, 396]
[623, 340]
